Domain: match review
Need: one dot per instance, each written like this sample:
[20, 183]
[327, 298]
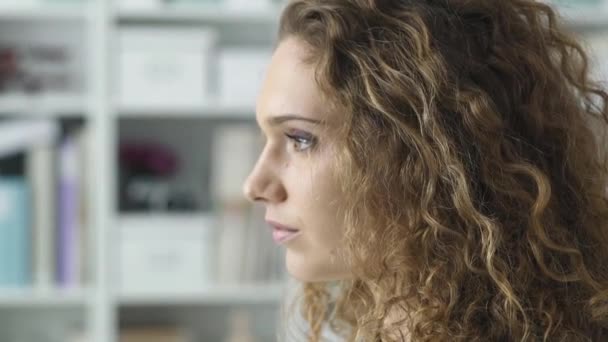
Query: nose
[264, 185]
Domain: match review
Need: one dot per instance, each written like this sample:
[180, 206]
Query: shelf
[586, 17]
[213, 294]
[31, 298]
[201, 13]
[43, 12]
[55, 105]
[210, 110]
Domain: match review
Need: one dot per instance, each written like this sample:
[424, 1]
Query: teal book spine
[15, 237]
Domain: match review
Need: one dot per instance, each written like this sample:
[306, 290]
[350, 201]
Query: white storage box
[164, 67]
[167, 253]
[250, 5]
[241, 72]
[140, 4]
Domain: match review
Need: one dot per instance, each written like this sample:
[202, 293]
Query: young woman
[436, 171]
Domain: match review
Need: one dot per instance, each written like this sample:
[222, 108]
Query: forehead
[289, 85]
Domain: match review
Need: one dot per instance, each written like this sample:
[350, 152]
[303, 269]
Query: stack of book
[43, 196]
[246, 253]
[185, 250]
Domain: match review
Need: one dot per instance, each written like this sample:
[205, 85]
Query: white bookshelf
[101, 301]
[45, 105]
[41, 12]
[211, 109]
[270, 293]
[35, 298]
[206, 14]
[587, 19]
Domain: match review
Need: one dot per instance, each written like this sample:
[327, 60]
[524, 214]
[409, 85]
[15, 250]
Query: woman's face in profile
[292, 176]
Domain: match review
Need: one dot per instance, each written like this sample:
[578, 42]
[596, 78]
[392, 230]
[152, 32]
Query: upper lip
[279, 225]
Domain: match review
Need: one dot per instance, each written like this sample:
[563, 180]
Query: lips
[282, 233]
[279, 226]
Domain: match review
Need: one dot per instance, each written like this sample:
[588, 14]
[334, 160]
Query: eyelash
[302, 139]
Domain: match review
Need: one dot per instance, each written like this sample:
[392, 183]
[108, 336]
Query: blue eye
[302, 142]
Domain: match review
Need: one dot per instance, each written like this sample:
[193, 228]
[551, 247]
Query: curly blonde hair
[474, 162]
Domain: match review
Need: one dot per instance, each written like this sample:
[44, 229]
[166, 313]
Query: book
[234, 153]
[68, 225]
[34, 139]
[232, 245]
[40, 171]
[15, 203]
[269, 265]
[233, 157]
[246, 252]
[83, 137]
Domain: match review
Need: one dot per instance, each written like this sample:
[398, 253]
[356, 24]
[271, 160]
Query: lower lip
[281, 236]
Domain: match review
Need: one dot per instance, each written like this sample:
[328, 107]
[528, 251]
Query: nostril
[251, 195]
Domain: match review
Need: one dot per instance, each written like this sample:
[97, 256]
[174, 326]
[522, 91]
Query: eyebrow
[279, 119]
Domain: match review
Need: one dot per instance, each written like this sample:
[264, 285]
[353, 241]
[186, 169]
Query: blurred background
[126, 130]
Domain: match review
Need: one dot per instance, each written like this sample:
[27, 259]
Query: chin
[311, 269]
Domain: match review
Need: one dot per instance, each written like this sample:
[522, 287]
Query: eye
[302, 141]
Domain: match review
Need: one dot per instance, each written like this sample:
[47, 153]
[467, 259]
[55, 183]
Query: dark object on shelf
[47, 68]
[12, 165]
[36, 68]
[181, 201]
[151, 159]
[146, 169]
[9, 67]
[147, 193]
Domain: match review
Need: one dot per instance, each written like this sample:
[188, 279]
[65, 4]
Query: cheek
[321, 188]
[328, 226]
[315, 196]
[307, 185]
